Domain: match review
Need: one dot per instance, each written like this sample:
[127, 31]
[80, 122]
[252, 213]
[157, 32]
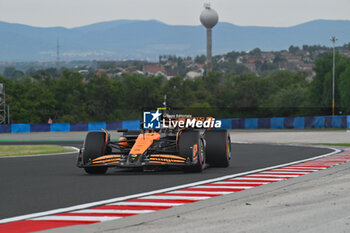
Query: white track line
[296, 170]
[316, 168]
[235, 186]
[200, 192]
[174, 197]
[222, 187]
[241, 182]
[146, 204]
[286, 172]
[292, 168]
[107, 211]
[268, 175]
[76, 218]
[104, 202]
[253, 178]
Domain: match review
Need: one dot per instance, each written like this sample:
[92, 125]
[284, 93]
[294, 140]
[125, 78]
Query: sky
[74, 13]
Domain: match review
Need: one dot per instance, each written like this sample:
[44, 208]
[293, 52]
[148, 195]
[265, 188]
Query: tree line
[72, 98]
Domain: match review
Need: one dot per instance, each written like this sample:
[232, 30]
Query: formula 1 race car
[185, 148]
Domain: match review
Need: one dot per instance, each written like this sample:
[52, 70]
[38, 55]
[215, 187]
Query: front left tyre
[191, 145]
[94, 146]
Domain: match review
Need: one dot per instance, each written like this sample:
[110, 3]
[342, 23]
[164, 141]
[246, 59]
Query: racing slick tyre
[218, 147]
[191, 144]
[94, 146]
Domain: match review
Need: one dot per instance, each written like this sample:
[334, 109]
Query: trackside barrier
[60, 127]
[20, 128]
[131, 125]
[317, 122]
[97, 126]
[226, 123]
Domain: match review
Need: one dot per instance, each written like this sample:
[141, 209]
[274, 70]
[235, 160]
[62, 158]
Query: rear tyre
[94, 146]
[191, 145]
[218, 147]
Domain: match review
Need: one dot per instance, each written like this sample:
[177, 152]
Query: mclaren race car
[189, 149]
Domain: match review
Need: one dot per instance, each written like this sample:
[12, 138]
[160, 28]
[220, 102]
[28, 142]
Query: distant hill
[135, 39]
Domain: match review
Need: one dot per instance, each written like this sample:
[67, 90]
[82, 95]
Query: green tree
[293, 49]
[9, 71]
[320, 93]
[200, 59]
[71, 98]
[344, 93]
[255, 52]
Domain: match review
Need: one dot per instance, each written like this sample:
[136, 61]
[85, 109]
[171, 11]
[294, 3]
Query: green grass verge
[15, 150]
[333, 144]
[44, 140]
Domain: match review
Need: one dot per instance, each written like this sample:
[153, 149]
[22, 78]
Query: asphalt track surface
[35, 184]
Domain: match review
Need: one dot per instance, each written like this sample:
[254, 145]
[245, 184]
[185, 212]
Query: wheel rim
[228, 149]
[201, 150]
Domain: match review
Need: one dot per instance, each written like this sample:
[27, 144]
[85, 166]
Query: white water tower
[209, 18]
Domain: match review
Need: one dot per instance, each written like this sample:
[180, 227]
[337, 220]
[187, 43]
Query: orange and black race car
[189, 149]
